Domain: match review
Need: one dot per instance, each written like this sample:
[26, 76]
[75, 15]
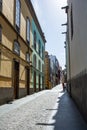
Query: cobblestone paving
[30, 115]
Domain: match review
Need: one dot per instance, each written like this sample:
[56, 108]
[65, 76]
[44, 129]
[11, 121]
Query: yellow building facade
[15, 49]
[47, 71]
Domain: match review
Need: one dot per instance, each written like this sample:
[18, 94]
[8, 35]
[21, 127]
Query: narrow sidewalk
[65, 115]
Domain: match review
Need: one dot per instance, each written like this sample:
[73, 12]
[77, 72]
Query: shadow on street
[65, 116]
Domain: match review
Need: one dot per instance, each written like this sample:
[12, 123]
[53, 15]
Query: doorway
[39, 82]
[16, 80]
[34, 81]
[28, 80]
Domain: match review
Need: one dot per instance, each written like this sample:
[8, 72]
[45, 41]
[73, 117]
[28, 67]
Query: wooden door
[16, 79]
[39, 82]
[28, 80]
[34, 81]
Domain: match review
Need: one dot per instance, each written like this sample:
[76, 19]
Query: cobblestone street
[27, 113]
[46, 110]
[43, 65]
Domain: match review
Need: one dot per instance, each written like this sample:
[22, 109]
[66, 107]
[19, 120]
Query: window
[16, 47]
[34, 61]
[42, 52]
[39, 65]
[28, 30]
[0, 5]
[71, 23]
[28, 57]
[39, 47]
[42, 67]
[17, 17]
[34, 40]
[0, 33]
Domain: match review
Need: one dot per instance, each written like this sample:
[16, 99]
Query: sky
[51, 16]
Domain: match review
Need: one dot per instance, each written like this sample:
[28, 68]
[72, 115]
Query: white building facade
[76, 45]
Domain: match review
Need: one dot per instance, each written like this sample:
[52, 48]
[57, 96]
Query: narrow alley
[47, 110]
[43, 65]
